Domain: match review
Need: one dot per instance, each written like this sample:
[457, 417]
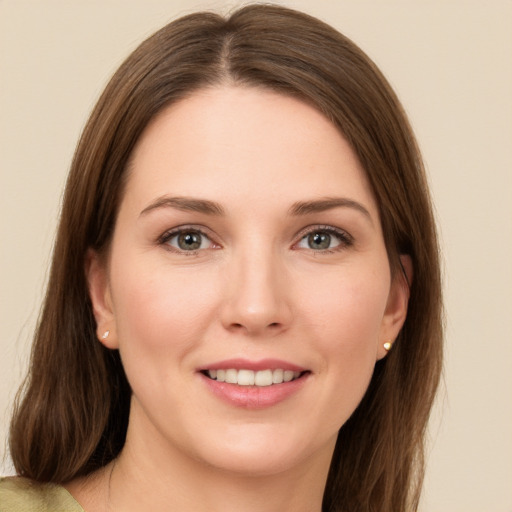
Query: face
[247, 287]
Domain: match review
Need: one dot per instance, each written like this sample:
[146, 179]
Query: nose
[256, 296]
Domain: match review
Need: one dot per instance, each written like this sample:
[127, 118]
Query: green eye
[325, 239]
[188, 240]
[319, 241]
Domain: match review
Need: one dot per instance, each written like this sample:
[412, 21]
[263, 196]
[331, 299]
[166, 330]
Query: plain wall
[451, 64]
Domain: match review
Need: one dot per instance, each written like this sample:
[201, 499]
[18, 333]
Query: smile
[260, 378]
[251, 384]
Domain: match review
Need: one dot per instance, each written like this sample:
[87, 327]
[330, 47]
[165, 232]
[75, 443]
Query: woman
[244, 308]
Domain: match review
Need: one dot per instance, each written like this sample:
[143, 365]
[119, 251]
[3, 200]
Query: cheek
[161, 310]
[348, 306]
[345, 323]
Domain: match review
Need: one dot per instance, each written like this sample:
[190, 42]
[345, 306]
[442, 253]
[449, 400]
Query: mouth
[251, 384]
[257, 378]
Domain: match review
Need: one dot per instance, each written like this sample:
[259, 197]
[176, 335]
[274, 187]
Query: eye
[325, 239]
[187, 240]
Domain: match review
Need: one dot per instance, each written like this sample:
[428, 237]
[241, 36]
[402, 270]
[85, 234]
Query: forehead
[242, 144]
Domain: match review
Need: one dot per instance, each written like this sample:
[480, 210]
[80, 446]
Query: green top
[23, 495]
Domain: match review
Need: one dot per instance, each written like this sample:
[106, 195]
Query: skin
[256, 288]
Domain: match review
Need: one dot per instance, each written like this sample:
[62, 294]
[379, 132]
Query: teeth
[288, 375]
[260, 378]
[231, 376]
[245, 378]
[277, 376]
[263, 378]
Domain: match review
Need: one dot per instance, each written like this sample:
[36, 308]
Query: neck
[150, 474]
[181, 483]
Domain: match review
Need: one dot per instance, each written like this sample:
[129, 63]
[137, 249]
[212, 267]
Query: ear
[96, 273]
[396, 307]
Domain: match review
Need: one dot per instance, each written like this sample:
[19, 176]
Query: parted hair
[71, 415]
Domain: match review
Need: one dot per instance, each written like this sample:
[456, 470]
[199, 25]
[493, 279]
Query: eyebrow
[327, 203]
[187, 204]
[299, 208]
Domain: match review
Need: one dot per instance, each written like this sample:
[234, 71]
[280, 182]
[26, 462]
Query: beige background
[451, 63]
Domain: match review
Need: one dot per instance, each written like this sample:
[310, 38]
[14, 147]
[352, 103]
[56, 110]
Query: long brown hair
[73, 414]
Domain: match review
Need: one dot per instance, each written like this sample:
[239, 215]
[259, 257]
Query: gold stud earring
[387, 345]
[105, 335]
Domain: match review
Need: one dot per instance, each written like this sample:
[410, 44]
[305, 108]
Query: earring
[387, 345]
[105, 335]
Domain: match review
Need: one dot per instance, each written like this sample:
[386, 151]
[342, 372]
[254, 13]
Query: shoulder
[23, 495]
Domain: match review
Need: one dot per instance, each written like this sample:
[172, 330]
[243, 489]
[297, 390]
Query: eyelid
[171, 233]
[345, 238]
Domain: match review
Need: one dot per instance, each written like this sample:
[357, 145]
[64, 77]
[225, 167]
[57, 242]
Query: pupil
[319, 240]
[189, 241]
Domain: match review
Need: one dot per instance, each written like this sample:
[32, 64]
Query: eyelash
[345, 239]
[169, 235]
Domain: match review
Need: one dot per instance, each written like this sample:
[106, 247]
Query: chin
[259, 451]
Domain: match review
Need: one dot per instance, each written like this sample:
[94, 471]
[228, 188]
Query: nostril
[238, 326]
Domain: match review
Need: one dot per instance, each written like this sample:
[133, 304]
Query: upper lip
[246, 364]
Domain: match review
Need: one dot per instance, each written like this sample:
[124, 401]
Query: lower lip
[254, 397]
